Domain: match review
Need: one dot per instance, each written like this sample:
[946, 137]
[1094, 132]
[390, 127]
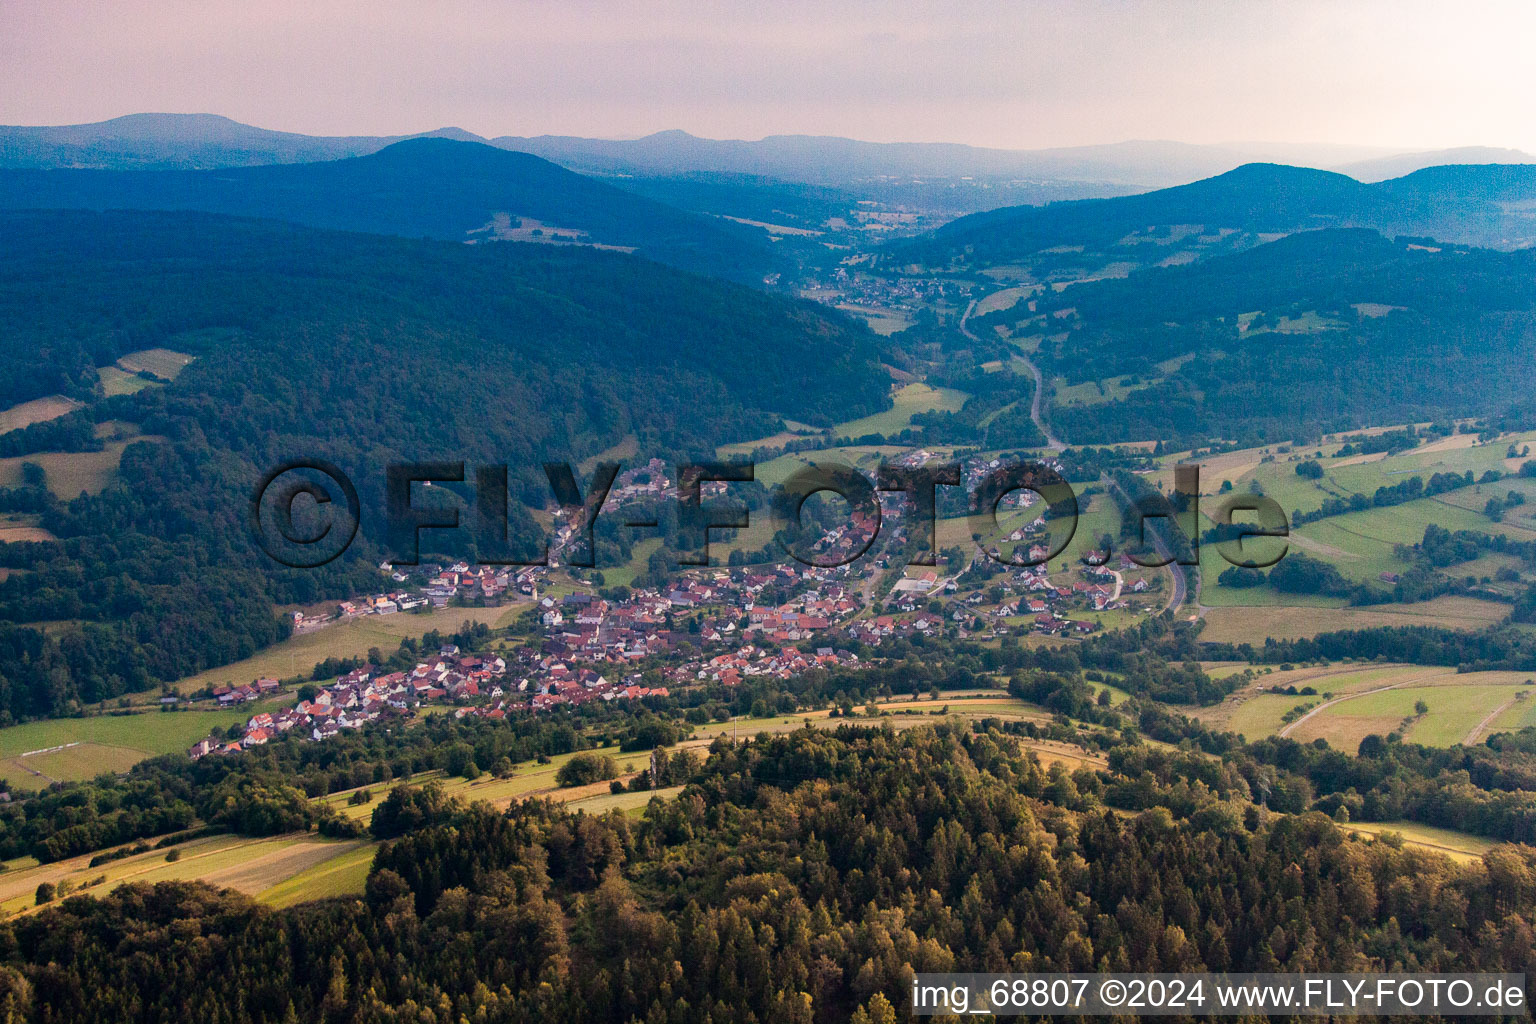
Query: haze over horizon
[1395, 77]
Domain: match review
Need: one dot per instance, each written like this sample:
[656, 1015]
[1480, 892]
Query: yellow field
[346, 872]
[626, 448]
[15, 528]
[70, 473]
[865, 458]
[162, 362]
[1458, 846]
[249, 865]
[908, 402]
[284, 870]
[1095, 392]
[629, 803]
[743, 448]
[76, 762]
[1517, 716]
[1005, 298]
[102, 743]
[39, 410]
[1236, 624]
[530, 778]
[884, 322]
[288, 869]
[1253, 713]
[1456, 707]
[116, 381]
[343, 874]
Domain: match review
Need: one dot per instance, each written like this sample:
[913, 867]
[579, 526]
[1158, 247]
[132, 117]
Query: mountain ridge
[1463, 204]
[422, 187]
[163, 141]
[194, 141]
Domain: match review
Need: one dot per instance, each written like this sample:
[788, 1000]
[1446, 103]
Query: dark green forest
[1455, 337]
[798, 878]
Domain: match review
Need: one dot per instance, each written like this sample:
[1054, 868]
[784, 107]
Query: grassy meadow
[1354, 701]
[70, 749]
[909, 400]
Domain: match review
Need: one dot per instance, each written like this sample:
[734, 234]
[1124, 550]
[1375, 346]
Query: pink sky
[1406, 74]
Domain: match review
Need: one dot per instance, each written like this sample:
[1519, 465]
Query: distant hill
[436, 188]
[182, 142]
[830, 160]
[77, 286]
[1319, 331]
[193, 141]
[1382, 168]
[1465, 204]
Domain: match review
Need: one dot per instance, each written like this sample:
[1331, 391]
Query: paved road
[1036, 407]
[1180, 578]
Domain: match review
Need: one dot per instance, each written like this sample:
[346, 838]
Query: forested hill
[1473, 204]
[340, 316]
[799, 879]
[426, 187]
[1319, 331]
[359, 349]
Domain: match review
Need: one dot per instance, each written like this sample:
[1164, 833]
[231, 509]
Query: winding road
[1056, 444]
[1037, 406]
[1337, 700]
[1180, 577]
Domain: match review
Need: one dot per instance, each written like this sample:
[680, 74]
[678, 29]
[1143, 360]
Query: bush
[1309, 469]
[1241, 579]
[338, 826]
[45, 893]
[1299, 574]
[585, 769]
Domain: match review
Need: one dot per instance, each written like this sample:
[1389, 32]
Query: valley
[446, 778]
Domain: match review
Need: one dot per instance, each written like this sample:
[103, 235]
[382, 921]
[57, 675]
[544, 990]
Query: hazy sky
[1401, 73]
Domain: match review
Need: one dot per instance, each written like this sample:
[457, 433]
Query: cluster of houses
[589, 644]
[364, 695]
[722, 607]
[709, 626]
[441, 586]
[1047, 602]
[228, 696]
[886, 293]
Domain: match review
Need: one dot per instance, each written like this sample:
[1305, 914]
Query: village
[709, 626]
